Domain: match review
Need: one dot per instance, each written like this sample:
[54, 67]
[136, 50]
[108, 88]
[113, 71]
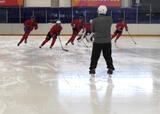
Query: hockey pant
[48, 37]
[96, 52]
[26, 34]
[117, 34]
[75, 33]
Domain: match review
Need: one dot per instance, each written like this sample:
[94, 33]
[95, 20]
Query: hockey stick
[62, 45]
[84, 44]
[132, 38]
[83, 38]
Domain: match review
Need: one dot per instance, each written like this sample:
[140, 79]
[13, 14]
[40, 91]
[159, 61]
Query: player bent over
[87, 31]
[29, 25]
[53, 33]
[119, 29]
[77, 25]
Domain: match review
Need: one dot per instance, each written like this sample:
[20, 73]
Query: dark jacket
[101, 27]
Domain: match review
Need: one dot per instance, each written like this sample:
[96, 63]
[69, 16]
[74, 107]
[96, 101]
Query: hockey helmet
[58, 22]
[102, 9]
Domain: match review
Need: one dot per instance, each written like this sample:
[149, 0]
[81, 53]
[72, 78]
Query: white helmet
[90, 21]
[102, 9]
[58, 22]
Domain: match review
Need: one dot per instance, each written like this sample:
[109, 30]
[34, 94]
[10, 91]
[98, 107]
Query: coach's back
[101, 27]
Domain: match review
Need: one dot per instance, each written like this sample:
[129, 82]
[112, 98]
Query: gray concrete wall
[138, 29]
[37, 3]
[54, 3]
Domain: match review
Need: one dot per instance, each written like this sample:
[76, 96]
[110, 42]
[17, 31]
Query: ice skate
[92, 72]
[72, 43]
[78, 39]
[110, 71]
[115, 41]
[18, 44]
[25, 41]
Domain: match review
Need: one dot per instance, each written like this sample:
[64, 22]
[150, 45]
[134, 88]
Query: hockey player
[101, 27]
[29, 25]
[119, 29]
[87, 31]
[53, 33]
[77, 25]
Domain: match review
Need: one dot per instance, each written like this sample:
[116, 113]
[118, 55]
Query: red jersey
[31, 24]
[120, 26]
[79, 25]
[55, 30]
[88, 27]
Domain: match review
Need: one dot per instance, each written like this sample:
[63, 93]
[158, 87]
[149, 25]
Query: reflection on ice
[52, 81]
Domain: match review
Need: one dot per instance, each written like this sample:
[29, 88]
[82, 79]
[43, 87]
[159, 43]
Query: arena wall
[134, 29]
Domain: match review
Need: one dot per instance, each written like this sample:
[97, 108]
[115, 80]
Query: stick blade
[135, 42]
[65, 50]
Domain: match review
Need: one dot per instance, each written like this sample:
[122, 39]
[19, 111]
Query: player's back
[101, 26]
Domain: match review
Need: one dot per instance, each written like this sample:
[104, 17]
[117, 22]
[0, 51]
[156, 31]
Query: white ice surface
[51, 81]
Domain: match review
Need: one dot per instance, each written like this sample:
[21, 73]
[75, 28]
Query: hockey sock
[53, 41]
[44, 42]
[23, 38]
[72, 38]
[26, 37]
[113, 36]
[118, 36]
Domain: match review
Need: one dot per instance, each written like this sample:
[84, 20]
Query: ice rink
[52, 81]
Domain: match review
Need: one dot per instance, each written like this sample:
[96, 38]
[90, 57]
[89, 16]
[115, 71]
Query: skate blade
[93, 75]
[109, 75]
[92, 78]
